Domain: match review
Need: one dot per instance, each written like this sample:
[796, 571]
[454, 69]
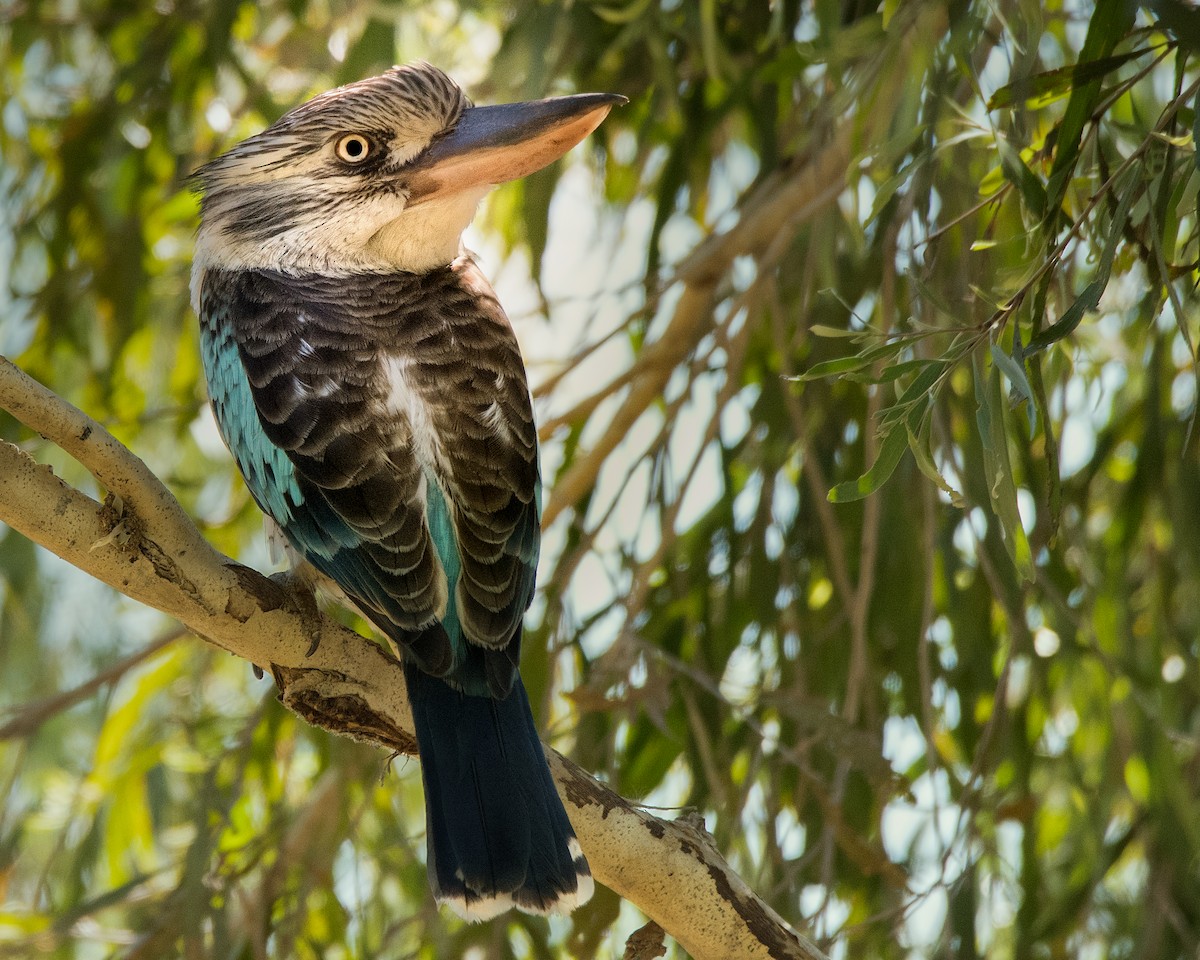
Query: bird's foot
[301, 598]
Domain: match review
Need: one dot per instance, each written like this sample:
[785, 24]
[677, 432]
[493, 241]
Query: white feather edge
[488, 908]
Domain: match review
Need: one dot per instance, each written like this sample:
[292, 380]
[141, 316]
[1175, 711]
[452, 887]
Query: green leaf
[889, 157]
[114, 743]
[615, 15]
[890, 452]
[1040, 89]
[829, 368]
[1196, 140]
[918, 443]
[1137, 779]
[1090, 298]
[1111, 20]
[890, 373]
[1020, 176]
[922, 387]
[1014, 371]
[886, 190]
[1002, 488]
[824, 330]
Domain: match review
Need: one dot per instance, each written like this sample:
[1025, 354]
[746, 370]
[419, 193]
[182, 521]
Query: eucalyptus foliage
[874, 521]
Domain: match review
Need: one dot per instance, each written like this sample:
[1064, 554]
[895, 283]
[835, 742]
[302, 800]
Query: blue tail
[497, 832]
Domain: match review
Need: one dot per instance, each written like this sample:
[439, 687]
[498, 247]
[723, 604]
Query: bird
[372, 393]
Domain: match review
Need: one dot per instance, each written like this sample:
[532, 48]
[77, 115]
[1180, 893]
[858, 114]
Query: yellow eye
[353, 148]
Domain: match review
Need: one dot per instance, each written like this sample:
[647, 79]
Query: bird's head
[379, 175]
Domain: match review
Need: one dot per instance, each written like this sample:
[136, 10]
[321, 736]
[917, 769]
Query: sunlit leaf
[1044, 88]
[1017, 172]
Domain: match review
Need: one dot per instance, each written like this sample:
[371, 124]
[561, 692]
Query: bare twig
[28, 718]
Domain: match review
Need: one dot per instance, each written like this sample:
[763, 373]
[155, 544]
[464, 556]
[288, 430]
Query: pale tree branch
[147, 548]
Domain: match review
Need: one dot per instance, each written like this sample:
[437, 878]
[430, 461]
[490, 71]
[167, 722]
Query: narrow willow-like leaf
[919, 442]
[616, 15]
[829, 368]
[1043, 88]
[921, 388]
[890, 452]
[824, 330]
[889, 157]
[1017, 172]
[1090, 298]
[1002, 488]
[888, 374]
[1110, 21]
[1014, 371]
[886, 190]
[1196, 139]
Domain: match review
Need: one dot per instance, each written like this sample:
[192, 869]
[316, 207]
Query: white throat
[353, 240]
[427, 236]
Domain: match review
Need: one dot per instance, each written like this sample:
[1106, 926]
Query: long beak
[491, 145]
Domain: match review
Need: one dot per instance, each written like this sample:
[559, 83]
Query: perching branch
[141, 543]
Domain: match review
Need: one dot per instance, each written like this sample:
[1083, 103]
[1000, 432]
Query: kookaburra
[373, 396]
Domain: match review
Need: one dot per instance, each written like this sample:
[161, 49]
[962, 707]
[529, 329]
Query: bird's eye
[353, 148]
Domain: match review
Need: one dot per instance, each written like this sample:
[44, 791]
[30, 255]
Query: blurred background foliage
[944, 254]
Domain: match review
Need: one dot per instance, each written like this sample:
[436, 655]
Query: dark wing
[347, 491]
[471, 379]
[400, 407]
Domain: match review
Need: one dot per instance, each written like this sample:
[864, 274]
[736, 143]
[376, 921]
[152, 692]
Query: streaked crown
[397, 113]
